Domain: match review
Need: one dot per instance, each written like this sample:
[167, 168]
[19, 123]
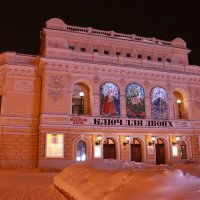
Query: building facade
[93, 94]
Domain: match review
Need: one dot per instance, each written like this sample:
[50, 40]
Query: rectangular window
[82, 49]
[97, 151]
[106, 52]
[95, 50]
[159, 59]
[174, 150]
[168, 60]
[55, 145]
[118, 53]
[128, 55]
[139, 55]
[71, 47]
[148, 57]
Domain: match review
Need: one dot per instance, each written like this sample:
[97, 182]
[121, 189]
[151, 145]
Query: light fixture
[127, 140]
[153, 139]
[177, 140]
[98, 140]
[178, 101]
[81, 94]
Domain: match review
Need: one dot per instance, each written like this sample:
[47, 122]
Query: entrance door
[160, 152]
[136, 154]
[109, 149]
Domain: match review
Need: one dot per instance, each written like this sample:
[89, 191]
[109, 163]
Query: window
[168, 60]
[95, 50]
[139, 56]
[55, 145]
[159, 101]
[183, 150]
[82, 49]
[148, 57]
[106, 52]
[135, 101]
[109, 100]
[159, 59]
[81, 151]
[118, 53]
[76, 106]
[128, 55]
[71, 47]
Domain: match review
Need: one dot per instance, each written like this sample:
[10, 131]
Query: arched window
[81, 151]
[159, 107]
[135, 102]
[109, 100]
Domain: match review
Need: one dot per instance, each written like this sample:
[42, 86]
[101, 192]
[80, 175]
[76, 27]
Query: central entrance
[136, 154]
[160, 152]
[109, 149]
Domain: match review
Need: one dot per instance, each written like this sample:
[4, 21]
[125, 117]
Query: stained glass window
[135, 101]
[159, 102]
[109, 100]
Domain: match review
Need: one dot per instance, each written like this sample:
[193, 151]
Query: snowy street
[28, 185]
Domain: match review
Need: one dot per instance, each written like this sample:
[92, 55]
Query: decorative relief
[197, 97]
[96, 79]
[56, 86]
[23, 85]
[55, 44]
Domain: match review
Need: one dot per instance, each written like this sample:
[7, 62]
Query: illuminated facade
[94, 94]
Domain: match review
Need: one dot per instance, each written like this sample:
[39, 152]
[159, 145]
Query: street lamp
[179, 107]
[81, 94]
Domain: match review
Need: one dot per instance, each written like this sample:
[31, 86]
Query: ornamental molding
[197, 97]
[56, 87]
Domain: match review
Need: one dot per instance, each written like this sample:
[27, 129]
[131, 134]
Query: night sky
[21, 21]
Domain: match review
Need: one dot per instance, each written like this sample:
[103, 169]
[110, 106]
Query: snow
[123, 180]
[28, 184]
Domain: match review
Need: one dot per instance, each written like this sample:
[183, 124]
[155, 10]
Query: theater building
[94, 94]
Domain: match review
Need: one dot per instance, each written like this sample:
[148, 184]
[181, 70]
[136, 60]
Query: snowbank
[118, 180]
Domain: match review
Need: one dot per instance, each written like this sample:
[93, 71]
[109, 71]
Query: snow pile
[118, 180]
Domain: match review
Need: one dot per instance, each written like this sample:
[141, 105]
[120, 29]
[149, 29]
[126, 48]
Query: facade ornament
[122, 81]
[56, 86]
[197, 97]
[96, 79]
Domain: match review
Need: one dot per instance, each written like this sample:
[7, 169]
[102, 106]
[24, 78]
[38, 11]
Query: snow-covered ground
[118, 180]
[28, 185]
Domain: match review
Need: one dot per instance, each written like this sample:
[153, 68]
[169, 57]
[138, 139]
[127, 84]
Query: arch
[159, 103]
[162, 150]
[109, 148]
[88, 143]
[135, 101]
[136, 150]
[187, 149]
[81, 103]
[109, 99]
[181, 108]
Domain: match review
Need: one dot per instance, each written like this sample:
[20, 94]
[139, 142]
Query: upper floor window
[71, 47]
[168, 60]
[118, 53]
[159, 59]
[148, 57]
[135, 101]
[128, 55]
[109, 100]
[139, 56]
[95, 50]
[83, 49]
[159, 101]
[106, 52]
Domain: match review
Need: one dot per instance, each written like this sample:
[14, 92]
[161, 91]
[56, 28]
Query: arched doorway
[160, 152]
[81, 151]
[136, 154]
[109, 149]
[183, 150]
